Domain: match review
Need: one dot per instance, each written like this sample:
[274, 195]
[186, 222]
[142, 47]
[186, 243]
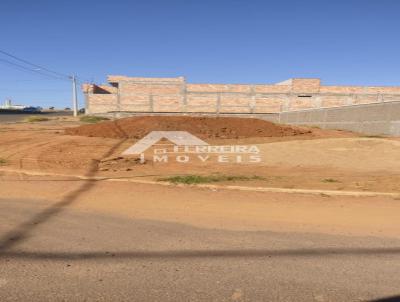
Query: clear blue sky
[249, 41]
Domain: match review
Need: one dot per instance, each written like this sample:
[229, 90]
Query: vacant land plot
[292, 158]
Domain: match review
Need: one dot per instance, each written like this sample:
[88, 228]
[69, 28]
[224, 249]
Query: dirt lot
[203, 127]
[292, 158]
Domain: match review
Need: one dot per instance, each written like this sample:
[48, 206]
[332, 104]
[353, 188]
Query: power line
[34, 65]
[26, 69]
[34, 89]
[41, 70]
[26, 80]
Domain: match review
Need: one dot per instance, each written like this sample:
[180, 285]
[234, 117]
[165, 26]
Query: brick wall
[126, 94]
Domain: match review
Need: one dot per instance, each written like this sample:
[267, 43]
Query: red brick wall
[174, 95]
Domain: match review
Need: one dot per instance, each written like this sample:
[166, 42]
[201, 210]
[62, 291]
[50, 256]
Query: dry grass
[93, 119]
[199, 179]
[330, 180]
[34, 119]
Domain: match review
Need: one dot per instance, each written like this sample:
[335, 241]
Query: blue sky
[249, 41]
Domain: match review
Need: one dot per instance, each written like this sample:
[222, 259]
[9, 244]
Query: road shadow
[22, 231]
[192, 254]
[72, 179]
[387, 299]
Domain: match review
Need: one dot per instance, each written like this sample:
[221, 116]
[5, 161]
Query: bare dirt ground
[313, 159]
[217, 209]
[70, 238]
[203, 127]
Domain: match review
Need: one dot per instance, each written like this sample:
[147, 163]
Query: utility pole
[74, 96]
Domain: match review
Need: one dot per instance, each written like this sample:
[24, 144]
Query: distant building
[8, 105]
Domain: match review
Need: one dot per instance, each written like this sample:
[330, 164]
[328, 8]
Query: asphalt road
[77, 255]
[17, 117]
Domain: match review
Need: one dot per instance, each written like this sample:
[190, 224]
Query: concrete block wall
[371, 119]
[174, 95]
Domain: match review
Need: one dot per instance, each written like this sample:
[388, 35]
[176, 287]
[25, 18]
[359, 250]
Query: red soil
[203, 127]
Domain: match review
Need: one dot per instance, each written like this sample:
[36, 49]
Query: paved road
[77, 255]
[13, 117]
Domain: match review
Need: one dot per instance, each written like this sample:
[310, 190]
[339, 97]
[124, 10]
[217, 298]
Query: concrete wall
[370, 119]
[173, 95]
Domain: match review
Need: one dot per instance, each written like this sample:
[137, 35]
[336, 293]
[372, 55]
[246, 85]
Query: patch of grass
[330, 180]
[324, 195]
[2, 161]
[199, 179]
[92, 119]
[374, 136]
[34, 119]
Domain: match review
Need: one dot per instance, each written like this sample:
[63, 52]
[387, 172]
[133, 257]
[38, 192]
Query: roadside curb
[265, 189]
[209, 186]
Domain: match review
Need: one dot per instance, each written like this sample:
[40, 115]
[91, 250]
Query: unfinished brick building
[174, 95]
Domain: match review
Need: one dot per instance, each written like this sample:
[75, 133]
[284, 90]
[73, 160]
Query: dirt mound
[203, 127]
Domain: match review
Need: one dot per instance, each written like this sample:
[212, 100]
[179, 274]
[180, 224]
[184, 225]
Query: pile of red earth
[202, 127]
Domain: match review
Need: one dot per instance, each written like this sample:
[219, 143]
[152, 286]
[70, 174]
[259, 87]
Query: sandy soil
[215, 209]
[331, 160]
